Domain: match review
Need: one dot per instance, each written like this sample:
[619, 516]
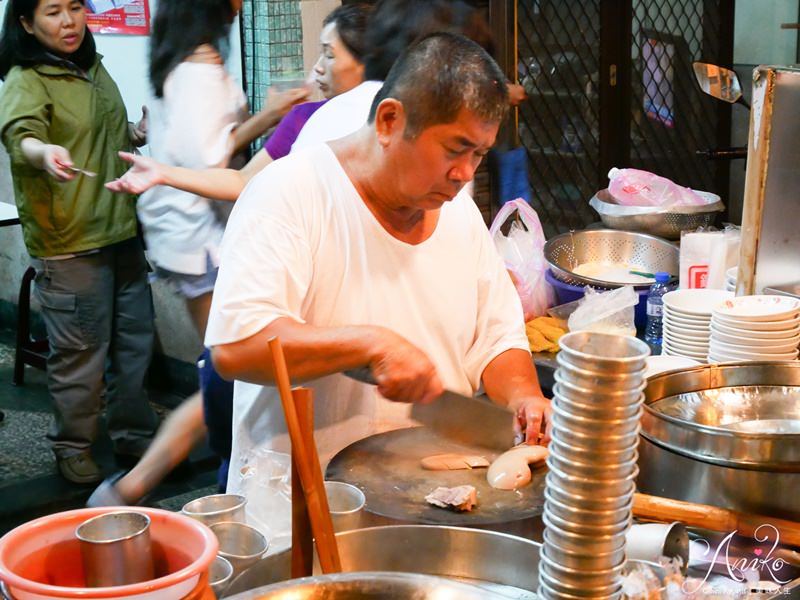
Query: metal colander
[567, 251]
[654, 220]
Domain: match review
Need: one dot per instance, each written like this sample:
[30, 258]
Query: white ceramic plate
[753, 341]
[686, 331]
[662, 364]
[721, 359]
[725, 352]
[695, 302]
[684, 315]
[755, 334]
[686, 319]
[742, 348]
[721, 347]
[671, 351]
[783, 325]
[759, 308]
[677, 342]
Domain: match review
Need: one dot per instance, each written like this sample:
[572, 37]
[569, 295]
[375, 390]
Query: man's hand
[516, 94]
[534, 419]
[404, 373]
[145, 174]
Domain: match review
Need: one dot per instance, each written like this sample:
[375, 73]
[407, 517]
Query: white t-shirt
[302, 244]
[339, 116]
[190, 126]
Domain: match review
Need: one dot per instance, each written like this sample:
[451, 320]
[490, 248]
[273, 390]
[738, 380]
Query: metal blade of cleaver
[463, 419]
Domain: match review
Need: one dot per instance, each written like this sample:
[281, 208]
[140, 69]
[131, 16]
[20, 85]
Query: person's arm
[277, 104]
[402, 371]
[55, 160]
[510, 380]
[221, 184]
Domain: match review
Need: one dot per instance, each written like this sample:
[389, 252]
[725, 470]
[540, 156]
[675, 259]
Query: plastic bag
[606, 312]
[632, 187]
[266, 481]
[706, 255]
[522, 253]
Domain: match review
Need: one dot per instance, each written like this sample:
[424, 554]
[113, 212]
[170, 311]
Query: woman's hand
[57, 162]
[143, 175]
[138, 131]
[278, 103]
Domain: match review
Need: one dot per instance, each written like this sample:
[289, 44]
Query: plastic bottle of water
[655, 305]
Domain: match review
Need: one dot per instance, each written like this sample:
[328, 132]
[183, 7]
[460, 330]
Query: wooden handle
[656, 508]
[302, 538]
[308, 469]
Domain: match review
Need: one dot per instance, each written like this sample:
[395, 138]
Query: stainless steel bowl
[655, 221]
[567, 251]
[725, 435]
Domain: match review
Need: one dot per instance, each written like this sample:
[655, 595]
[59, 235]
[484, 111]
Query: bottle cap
[663, 277]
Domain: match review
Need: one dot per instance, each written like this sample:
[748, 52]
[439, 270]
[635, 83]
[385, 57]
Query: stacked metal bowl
[597, 405]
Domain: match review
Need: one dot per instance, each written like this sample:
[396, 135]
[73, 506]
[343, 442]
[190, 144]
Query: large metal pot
[492, 559]
[726, 435]
[366, 585]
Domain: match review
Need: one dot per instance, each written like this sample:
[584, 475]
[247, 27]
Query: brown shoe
[79, 468]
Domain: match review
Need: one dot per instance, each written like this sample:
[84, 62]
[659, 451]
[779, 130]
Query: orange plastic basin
[41, 560]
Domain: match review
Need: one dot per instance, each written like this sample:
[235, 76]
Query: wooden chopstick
[308, 468]
[302, 538]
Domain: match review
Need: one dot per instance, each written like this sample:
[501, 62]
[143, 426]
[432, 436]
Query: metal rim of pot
[715, 445]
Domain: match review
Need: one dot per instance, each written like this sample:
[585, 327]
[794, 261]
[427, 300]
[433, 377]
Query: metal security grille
[272, 43]
[559, 51]
[610, 84]
[670, 118]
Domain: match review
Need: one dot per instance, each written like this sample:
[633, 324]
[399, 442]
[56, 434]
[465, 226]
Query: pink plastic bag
[522, 253]
[632, 187]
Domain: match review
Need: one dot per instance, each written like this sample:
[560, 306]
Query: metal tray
[387, 468]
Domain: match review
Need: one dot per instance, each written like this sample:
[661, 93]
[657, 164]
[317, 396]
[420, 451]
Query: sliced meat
[453, 462]
[511, 469]
[461, 498]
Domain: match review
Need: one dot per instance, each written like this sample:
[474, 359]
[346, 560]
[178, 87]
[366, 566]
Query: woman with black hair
[60, 110]
[198, 120]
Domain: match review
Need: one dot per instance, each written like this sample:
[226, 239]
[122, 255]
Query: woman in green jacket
[63, 121]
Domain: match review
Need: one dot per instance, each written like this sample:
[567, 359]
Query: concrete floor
[30, 485]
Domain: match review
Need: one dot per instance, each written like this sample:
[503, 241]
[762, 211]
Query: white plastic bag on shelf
[632, 187]
[522, 252]
[606, 312]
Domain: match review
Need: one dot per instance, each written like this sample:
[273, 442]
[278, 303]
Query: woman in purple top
[338, 69]
[280, 142]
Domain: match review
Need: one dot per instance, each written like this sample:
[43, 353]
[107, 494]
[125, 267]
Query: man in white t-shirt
[364, 253]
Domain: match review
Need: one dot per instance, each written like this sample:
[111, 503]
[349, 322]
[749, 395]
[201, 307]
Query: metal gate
[272, 44]
[610, 84]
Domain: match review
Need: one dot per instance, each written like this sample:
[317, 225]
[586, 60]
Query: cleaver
[463, 419]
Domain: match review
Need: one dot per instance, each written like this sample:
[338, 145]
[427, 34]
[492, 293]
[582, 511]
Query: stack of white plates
[755, 328]
[730, 279]
[687, 322]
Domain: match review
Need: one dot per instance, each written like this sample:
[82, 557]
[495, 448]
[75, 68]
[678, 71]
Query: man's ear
[25, 25]
[390, 120]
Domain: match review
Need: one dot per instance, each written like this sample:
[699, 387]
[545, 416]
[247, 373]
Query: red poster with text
[126, 17]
